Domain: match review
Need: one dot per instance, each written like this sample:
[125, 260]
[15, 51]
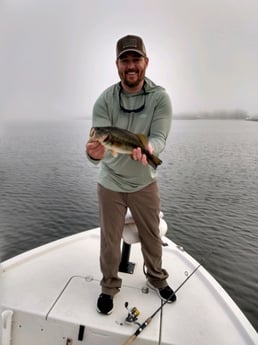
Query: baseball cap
[130, 43]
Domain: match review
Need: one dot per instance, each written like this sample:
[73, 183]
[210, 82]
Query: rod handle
[130, 340]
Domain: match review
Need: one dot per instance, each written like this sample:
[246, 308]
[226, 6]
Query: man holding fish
[131, 122]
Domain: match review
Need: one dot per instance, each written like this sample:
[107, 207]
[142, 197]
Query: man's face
[131, 69]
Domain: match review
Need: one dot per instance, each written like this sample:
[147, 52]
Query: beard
[132, 80]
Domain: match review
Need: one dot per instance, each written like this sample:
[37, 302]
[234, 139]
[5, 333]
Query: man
[140, 106]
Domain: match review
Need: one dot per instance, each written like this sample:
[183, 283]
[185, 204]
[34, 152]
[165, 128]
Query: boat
[48, 296]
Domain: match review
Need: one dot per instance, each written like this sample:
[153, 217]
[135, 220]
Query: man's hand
[137, 155]
[95, 150]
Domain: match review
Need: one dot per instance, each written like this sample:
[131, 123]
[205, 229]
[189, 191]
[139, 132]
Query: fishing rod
[149, 319]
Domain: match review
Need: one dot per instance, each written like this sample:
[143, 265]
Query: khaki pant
[145, 208]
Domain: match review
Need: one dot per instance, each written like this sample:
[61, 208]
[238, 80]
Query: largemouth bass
[119, 140]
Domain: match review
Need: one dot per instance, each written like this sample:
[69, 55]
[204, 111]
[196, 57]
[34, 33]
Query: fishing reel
[133, 314]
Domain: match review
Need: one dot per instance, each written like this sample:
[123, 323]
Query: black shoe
[105, 304]
[166, 293]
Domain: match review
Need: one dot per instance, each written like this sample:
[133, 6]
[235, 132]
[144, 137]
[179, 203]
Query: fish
[119, 140]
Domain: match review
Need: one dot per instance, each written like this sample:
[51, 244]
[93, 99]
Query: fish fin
[143, 139]
[114, 153]
[154, 161]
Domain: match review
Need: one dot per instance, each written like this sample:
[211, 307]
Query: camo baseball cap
[130, 43]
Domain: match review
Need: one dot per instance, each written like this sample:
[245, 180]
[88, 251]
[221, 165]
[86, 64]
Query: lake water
[208, 184]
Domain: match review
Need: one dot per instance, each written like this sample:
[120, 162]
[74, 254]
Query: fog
[57, 56]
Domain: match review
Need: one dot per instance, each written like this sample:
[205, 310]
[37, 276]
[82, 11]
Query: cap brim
[131, 50]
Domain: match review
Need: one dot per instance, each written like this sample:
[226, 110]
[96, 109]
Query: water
[208, 183]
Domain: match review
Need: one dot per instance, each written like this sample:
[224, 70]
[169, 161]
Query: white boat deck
[52, 292]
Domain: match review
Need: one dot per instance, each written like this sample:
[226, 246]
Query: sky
[57, 56]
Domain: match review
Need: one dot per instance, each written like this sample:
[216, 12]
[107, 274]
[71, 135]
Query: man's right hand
[95, 150]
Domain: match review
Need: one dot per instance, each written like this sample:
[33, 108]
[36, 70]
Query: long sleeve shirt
[121, 173]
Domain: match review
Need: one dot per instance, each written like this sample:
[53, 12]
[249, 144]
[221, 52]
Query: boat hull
[48, 296]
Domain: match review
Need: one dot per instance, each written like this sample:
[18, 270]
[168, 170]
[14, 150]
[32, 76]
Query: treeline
[221, 115]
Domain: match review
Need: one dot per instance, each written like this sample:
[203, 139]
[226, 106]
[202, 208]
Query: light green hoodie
[121, 173]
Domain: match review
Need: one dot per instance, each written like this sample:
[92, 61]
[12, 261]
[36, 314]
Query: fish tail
[154, 161]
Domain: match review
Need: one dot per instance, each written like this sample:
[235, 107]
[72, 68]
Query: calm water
[208, 183]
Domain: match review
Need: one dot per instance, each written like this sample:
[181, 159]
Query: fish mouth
[92, 132]
[95, 135]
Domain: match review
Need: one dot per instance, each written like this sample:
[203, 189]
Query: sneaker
[166, 293]
[105, 304]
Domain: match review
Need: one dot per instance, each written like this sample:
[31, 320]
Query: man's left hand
[137, 155]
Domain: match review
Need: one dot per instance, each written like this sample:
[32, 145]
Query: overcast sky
[57, 56]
